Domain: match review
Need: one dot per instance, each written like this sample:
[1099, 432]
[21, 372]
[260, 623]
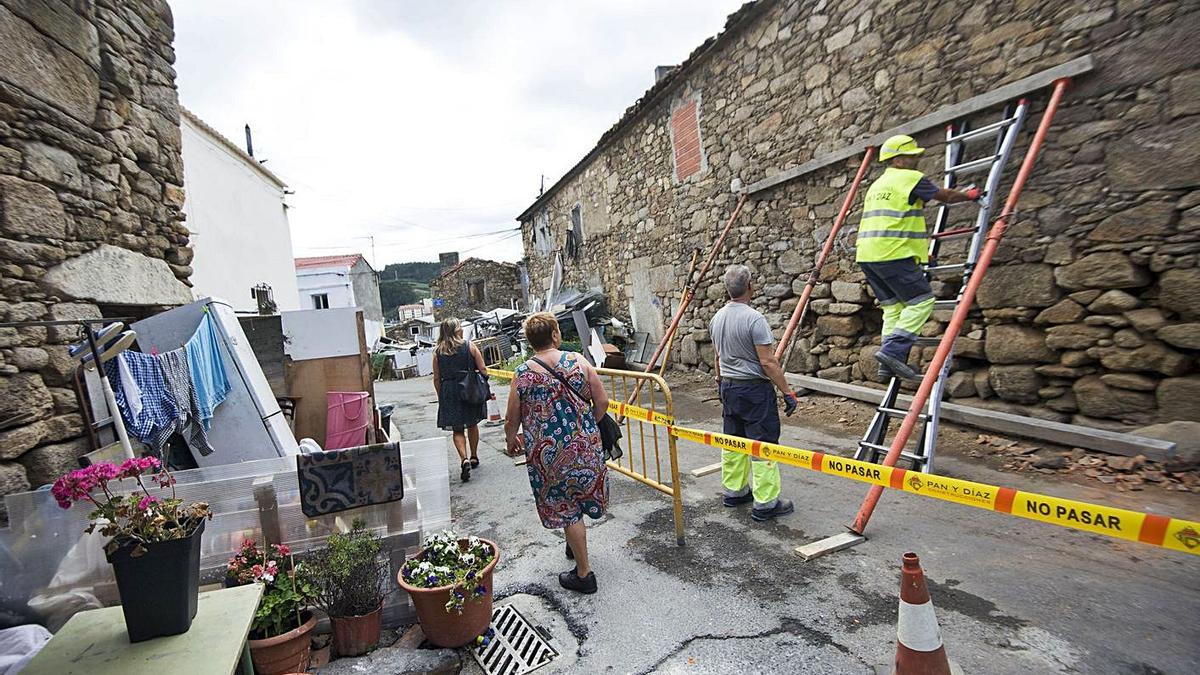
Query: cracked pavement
[1012, 596]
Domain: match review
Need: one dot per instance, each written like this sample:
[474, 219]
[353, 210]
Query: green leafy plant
[348, 574]
[288, 586]
[446, 561]
[137, 518]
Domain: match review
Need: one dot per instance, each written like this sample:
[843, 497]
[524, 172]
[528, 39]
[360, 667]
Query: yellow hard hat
[899, 145]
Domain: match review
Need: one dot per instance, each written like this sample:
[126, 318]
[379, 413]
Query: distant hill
[405, 284]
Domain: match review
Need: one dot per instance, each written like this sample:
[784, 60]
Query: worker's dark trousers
[907, 300]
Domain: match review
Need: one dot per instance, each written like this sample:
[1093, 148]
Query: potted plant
[280, 637]
[154, 545]
[450, 582]
[349, 578]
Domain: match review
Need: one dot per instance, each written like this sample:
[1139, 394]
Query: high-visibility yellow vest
[891, 228]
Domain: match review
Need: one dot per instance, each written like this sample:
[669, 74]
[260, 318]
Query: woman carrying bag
[556, 398]
[456, 363]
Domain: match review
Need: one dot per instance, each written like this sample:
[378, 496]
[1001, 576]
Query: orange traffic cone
[919, 648]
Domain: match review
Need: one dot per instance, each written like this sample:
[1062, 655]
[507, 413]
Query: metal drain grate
[516, 648]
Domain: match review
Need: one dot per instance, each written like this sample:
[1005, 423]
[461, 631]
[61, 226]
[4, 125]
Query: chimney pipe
[249, 143]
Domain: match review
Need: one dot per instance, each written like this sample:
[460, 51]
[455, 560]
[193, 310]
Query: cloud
[424, 124]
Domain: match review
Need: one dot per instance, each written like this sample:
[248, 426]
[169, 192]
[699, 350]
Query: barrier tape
[615, 407]
[1148, 528]
[1172, 533]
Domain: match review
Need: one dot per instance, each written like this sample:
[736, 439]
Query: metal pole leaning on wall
[802, 307]
[689, 292]
[963, 308]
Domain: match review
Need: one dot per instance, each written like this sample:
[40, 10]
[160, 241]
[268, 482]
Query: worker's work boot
[737, 500]
[898, 367]
[782, 508]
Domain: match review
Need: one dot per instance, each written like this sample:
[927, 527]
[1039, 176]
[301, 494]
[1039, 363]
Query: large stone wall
[1090, 310]
[90, 202]
[501, 285]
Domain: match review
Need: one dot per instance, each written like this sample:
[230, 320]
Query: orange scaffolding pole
[964, 306]
[806, 294]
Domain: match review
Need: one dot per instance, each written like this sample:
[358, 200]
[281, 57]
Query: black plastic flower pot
[159, 588]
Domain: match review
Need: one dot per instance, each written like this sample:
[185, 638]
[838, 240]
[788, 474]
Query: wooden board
[309, 382]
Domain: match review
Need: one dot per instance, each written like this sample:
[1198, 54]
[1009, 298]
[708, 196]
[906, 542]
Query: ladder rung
[101, 423]
[945, 304]
[874, 446]
[954, 233]
[901, 414]
[982, 132]
[884, 449]
[973, 166]
[913, 457]
[955, 267]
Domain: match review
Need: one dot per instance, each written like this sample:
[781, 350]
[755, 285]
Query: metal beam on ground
[1101, 440]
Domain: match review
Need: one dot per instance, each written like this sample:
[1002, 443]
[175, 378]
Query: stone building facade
[475, 285]
[1089, 313]
[90, 203]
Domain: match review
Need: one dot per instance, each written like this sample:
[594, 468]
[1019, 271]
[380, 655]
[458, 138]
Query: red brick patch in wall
[685, 140]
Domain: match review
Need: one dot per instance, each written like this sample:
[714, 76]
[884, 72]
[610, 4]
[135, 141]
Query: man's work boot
[782, 508]
[739, 500]
[898, 367]
[884, 372]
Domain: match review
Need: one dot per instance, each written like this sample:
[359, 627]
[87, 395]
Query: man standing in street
[892, 245]
[746, 370]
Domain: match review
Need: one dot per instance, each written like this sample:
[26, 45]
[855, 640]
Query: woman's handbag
[474, 386]
[610, 431]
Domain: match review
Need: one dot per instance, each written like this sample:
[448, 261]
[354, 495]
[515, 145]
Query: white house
[332, 281]
[238, 220]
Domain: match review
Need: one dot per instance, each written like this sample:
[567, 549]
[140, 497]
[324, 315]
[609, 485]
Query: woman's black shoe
[571, 581]
[570, 553]
[474, 462]
[466, 471]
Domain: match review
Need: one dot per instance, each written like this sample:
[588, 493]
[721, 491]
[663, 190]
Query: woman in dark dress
[453, 359]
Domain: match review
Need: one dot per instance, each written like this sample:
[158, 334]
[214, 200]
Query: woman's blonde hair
[540, 328]
[450, 338]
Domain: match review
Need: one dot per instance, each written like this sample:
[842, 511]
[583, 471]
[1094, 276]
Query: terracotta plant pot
[449, 629]
[287, 653]
[356, 635]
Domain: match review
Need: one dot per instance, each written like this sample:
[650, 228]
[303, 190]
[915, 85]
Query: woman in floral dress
[561, 441]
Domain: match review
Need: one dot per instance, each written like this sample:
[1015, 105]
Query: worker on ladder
[892, 245]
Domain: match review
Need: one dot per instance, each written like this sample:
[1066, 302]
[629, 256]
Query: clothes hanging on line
[133, 393]
[155, 405]
[178, 379]
[207, 369]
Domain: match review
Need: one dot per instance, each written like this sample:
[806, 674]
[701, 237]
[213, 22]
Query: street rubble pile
[1125, 473]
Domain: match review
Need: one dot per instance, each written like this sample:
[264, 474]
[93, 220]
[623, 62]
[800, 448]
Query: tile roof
[329, 261]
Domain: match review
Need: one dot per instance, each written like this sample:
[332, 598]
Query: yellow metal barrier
[647, 422]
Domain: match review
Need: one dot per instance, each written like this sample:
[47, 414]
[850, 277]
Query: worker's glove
[789, 404]
[973, 193]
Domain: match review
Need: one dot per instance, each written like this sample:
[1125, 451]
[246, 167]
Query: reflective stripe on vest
[891, 228]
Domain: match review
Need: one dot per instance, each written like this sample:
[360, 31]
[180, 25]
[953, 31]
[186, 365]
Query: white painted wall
[319, 334]
[238, 223]
[331, 281]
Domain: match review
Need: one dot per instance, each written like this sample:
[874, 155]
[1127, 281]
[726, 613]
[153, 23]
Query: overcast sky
[425, 123]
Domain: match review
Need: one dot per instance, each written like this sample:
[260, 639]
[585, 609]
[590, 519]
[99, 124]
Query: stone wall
[90, 202]
[501, 285]
[1089, 312]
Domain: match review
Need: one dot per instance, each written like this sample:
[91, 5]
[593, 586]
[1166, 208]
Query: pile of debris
[1125, 473]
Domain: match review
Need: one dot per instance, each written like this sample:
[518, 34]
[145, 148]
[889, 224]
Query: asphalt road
[1012, 596]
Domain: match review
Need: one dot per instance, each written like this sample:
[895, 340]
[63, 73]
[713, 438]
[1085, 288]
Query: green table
[95, 642]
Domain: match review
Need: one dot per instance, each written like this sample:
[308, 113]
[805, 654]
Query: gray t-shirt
[735, 330]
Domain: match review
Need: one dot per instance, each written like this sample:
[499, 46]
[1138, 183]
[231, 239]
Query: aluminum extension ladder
[873, 447]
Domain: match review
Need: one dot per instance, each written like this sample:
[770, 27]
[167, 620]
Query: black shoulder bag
[474, 386]
[610, 431]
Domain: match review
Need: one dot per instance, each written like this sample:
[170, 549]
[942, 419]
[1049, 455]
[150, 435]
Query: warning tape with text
[1148, 528]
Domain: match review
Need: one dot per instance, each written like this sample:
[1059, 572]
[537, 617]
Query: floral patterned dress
[562, 444]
